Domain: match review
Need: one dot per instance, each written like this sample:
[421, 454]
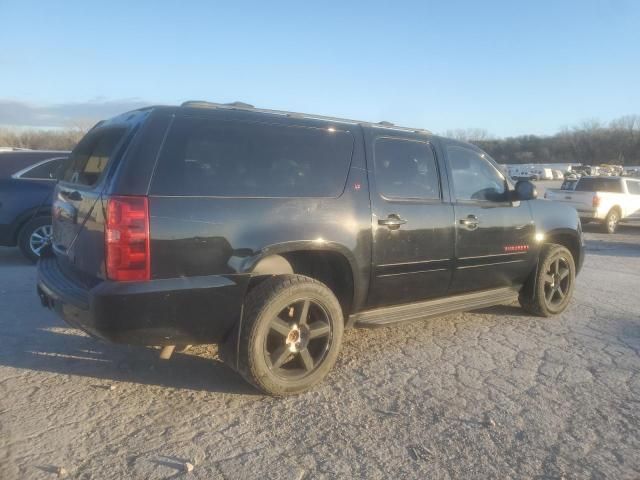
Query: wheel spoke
[280, 356]
[36, 236]
[549, 295]
[556, 266]
[304, 313]
[306, 359]
[564, 273]
[318, 329]
[560, 292]
[280, 326]
[548, 278]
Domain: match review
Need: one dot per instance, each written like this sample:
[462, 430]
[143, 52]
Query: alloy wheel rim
[557, 281]
[613, 220]
[40, 238]
[298, 339]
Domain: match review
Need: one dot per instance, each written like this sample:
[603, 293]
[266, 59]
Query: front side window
[474, 177]
[89, 159]
[204, 157]
[406, 169]
[44, 171]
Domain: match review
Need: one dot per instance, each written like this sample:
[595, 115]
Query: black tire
[611, 221]
[549, 289]
[284, 317]
[27, 240]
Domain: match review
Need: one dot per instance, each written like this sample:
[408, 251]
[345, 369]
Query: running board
[381, 317]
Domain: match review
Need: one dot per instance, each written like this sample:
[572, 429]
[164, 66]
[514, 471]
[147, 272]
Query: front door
[493, 235]
[412, 221]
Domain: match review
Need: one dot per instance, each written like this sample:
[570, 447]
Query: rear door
[412, 221]
[78, 219]
[493, 235]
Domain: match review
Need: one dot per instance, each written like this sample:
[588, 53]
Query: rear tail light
[596, 201]
[127, 239]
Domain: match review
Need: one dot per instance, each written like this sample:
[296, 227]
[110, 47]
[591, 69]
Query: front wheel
[291, 334]
[34, 236]
[549, 289]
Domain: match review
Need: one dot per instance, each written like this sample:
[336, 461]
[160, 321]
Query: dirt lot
[489, 394]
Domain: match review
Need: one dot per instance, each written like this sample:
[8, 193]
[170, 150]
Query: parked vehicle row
[271, 232]
[26, 198]
[606, 200]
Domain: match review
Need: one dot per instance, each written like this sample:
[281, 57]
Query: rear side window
[203, 157]
[599, 185]
[44, 171]
[89, 159]
[406, 169]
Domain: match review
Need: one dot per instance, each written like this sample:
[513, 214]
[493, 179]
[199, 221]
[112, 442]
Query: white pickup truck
[608, 200]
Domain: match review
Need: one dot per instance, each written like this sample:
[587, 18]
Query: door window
[44, 171]
[89, 159]
[406, 169]
[633, 187]
[474, 176]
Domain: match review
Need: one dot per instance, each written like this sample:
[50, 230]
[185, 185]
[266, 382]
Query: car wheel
[34, 236]
[549, 289]
[611, 221]
[291, 334]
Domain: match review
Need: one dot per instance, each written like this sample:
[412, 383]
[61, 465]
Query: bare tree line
[34, 139]
[591, 143]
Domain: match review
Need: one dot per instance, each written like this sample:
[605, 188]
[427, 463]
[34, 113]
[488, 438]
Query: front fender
[554, 220]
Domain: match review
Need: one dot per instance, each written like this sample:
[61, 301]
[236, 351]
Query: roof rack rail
[247, 106]
[204, 103]
[240, 105]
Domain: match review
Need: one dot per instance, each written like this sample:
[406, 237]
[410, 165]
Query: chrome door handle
[392, 222]
[470, 223]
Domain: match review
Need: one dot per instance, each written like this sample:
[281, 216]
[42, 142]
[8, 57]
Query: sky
[509, 67]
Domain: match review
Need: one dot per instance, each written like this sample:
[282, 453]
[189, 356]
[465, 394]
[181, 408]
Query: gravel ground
[489, 394]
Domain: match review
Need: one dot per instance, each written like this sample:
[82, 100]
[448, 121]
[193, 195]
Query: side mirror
[524, 190]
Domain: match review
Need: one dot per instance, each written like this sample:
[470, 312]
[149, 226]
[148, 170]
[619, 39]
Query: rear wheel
[549, 289]
[291, 334]
[611, 221]
[34, 236]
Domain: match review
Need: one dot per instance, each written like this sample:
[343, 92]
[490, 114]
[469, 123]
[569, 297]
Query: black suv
[271, 232]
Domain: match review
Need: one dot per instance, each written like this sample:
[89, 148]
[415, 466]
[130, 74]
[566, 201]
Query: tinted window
[633, 187]
[89, 159]
[474, 177]
[44, 171]
[611, 185]
[242, 159]
[406, 169]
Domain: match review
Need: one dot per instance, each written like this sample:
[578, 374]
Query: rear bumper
[191, 310]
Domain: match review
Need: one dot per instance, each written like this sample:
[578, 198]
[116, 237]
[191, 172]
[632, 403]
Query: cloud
[24, 114]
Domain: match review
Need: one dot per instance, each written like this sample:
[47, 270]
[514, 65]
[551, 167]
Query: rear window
[89, 159]
[610, 185]
[203, 157]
